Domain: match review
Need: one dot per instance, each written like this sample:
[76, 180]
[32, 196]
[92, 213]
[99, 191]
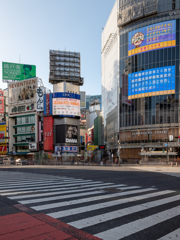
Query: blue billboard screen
[152, 37]
[151, 82]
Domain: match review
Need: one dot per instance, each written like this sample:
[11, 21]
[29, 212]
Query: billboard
[22, 108]
[66, 107]
[24, 90]
[18, 72]
[65, 65]
[152, 37]
[1, 102]
[71, 134]
[156, 81]
[48, 133]
[3, 144]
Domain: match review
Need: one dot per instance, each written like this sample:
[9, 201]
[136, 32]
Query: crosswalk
[104, 209]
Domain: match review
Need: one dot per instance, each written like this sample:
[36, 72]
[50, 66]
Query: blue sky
[29, 28]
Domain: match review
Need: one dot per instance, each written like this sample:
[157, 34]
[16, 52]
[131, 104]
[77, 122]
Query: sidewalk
[19, 222]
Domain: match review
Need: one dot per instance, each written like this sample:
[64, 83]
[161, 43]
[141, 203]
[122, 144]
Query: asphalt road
[107, 202]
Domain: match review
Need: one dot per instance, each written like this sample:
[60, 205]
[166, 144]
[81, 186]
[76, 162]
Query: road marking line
[99, 186]
[41, 184]
[54, 189]
[46, 187]
[78, 201]
[139, 225]
[175, 235]
[86, 222]
[60, 214]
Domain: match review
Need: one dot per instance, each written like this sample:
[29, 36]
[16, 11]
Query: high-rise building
[62, 109]
[140, 77]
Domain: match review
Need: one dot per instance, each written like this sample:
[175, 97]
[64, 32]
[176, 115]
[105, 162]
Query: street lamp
[119, 149]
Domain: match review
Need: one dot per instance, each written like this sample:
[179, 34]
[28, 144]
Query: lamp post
[119, 149]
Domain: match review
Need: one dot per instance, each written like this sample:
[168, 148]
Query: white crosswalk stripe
[87, 204]
[175, 235]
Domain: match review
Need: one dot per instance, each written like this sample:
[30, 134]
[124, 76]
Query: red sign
[3, 148]
[86, 138]
[101, 146]
[1, 135]
[47, 104]
[1, 102]
[48, 133]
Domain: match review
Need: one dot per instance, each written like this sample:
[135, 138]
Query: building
[62, 108]
[25, 113]
[140, 77]
[91, 100]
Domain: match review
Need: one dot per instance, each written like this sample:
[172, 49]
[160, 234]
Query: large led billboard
[18, 72]
[152, 37]
[66, 106]
[151, 82]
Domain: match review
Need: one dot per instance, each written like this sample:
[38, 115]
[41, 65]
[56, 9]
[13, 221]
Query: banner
[1, 102]
[18, 72]
[152, 37]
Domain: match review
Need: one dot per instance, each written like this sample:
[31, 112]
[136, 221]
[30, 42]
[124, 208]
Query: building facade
[141, 38]
[62, 107]
[25, 113]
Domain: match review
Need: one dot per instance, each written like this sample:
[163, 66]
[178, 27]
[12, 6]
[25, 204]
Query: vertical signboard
[47, 104]
[3, 144]
[40, 99]
[1, 102]
[48, 133]
[83, 99]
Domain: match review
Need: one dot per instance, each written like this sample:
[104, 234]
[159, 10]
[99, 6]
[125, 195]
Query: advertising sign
[1, 102]
[71, 134]
[24, 90]
[48, 133]
[150, 82]
[18, 72]
[47, 104]
[92, 147]
[66, 106]
[152, 37]
[33, 146]
[83, 99]
[23, 108]
[40, 99]
[3, 144]
[65, 149]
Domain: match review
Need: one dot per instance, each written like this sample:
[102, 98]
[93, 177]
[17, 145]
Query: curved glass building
[140, 76]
